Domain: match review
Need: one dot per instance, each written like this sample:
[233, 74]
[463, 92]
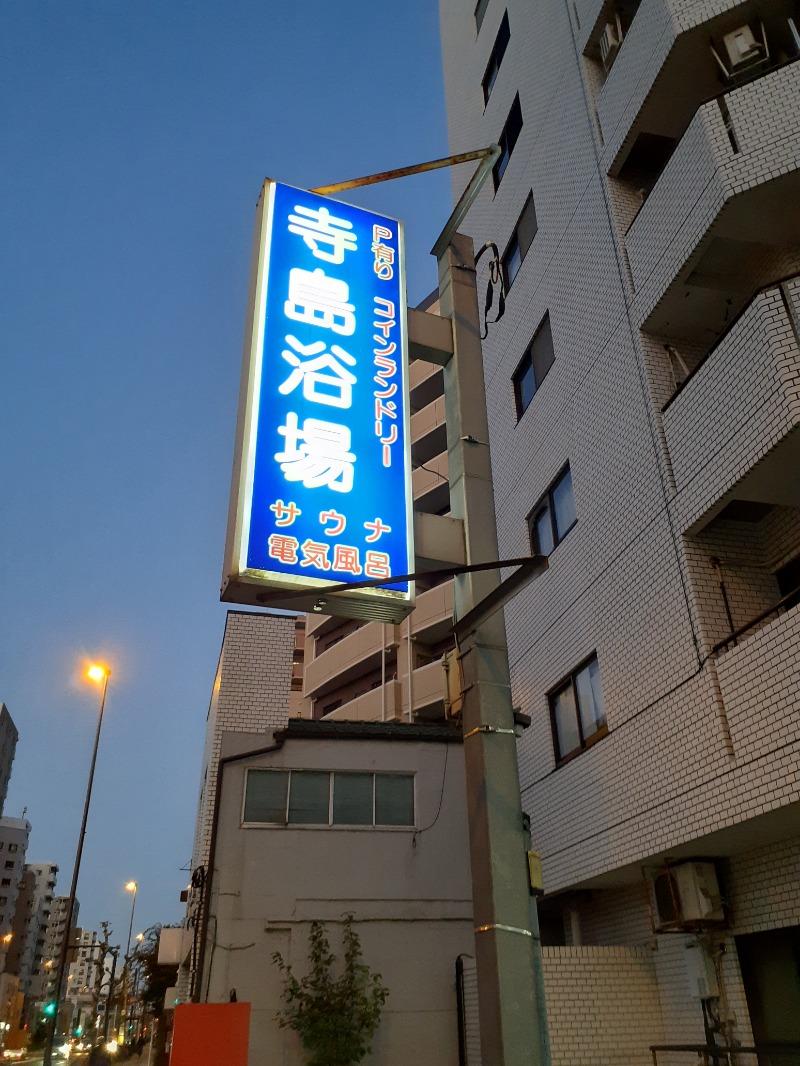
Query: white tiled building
[643, 389]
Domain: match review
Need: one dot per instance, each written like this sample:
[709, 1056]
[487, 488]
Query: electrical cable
[441, 797]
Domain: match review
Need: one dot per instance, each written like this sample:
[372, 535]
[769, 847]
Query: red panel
[209, 1034]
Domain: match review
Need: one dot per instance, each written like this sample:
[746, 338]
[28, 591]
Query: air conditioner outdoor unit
[686, 896]
[742, 46]
[610, 41]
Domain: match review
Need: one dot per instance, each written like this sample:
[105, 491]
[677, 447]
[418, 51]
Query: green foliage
[335, 1017]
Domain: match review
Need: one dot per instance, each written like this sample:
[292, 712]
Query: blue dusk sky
[135, 135]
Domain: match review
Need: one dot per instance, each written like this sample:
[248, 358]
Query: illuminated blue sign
[322, 490]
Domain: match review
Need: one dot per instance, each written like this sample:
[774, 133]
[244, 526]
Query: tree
[156, 978]
[335, 1017]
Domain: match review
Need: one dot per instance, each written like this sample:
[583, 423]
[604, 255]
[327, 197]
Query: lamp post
[131, 886]
[98, 674]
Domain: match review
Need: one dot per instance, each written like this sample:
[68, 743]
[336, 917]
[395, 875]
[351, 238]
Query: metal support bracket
[487, 156]
[499, 597]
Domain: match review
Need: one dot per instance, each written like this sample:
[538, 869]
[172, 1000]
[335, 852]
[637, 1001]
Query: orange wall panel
[209, 1034]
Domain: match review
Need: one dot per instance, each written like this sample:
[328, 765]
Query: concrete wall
[409, 890]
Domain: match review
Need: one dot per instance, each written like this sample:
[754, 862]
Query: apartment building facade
[44, 987]
[643, 389]
[359, 671]
[35, 926]
[8, 746]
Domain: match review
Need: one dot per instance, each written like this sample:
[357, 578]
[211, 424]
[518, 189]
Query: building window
[508, 138]
[577, 714]
[521, 240]
[496, 58]
[788, 578]
[10, 864]
[480, 11]
[5, 881]
[533, 366]
[322, 797]
[554, 515]
[13, 847]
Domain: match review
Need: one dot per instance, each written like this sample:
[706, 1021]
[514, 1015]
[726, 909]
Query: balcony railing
[719, 1055]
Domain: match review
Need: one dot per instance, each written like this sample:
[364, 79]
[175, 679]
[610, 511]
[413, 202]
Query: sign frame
[274, 588]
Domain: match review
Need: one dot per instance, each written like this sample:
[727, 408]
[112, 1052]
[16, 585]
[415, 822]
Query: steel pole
[126, 967]
[62, 961]
[507, 988]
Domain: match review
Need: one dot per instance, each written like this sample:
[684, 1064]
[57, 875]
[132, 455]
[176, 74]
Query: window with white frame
[577, 713]
[328, 797]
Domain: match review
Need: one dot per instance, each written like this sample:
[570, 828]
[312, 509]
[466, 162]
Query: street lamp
[132, 886]
[99, 674]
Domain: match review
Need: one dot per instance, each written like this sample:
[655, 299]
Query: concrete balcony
[317, 624]
[427, 691]
[722, 220]
[430, 487]
[425, 383]
[733, 431]
[380, 705]
[648, 98]
[348, 659]
[432, 619]
[759, 681]
[428, 431]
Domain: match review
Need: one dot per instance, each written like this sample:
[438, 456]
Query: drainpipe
[410, 661]
[197, 976]
[383, 671]
[717, 566]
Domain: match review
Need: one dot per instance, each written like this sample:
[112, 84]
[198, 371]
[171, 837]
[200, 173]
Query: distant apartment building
[14, 835]
[32, 972]
[52, 946]
[83, 972]
[8, 746]
[643, 391]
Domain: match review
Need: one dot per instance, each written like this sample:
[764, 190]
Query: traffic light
[50, 1009]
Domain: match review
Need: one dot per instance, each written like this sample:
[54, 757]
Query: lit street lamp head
[131, 886]
[97, 673]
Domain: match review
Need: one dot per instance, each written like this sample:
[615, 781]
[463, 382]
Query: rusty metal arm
[487, 156]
